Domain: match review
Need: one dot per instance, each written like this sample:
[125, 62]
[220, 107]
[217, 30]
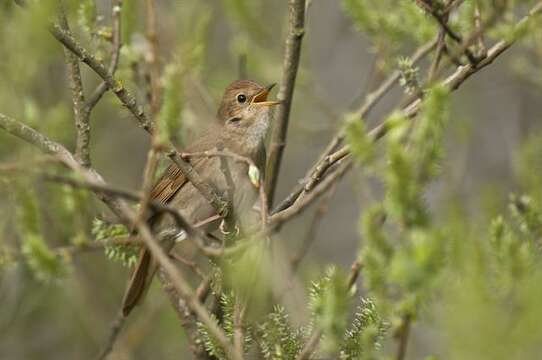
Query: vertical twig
[403, 336]
[286, 91]
[113, 336]
[311, 233]
[153, 58]
[82, 126]
[238, 332]
[482, 50]
[100, 90]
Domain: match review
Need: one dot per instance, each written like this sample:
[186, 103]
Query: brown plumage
[242, 122]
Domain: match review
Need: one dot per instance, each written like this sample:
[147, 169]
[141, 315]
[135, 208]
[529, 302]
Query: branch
[115, 56]
[285, 95]
[279, 218]
[186, 317]
[206, 189]
[319, 214]
[82, 126]
[402, 335]
[192, 231]
[442, 19]
[153, 58]
[116, 327]
[129, 101]
[315, 173]
[314, 340]
[181, 285]
[453, 82]
[126, 98]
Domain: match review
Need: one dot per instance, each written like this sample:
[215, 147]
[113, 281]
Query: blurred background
[66, 311]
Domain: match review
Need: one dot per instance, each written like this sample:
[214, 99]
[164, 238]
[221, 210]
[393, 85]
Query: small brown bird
[242, 122]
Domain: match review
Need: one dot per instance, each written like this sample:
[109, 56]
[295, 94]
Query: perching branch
[181, 285]
[279, 132]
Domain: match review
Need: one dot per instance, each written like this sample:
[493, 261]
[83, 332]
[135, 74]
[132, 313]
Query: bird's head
[245, 110]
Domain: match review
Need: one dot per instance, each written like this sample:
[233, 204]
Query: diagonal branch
[453, 82]
[126, 97]
[181, 285]
[286, 92]
[314, 174]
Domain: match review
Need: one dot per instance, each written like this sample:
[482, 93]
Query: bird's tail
[139, 282]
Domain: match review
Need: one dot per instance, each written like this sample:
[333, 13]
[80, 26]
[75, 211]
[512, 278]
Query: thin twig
[403, 336]
[314, 174]
[186, 317]
[238, 331]
[116, 327]
[82, 123]
[193, 233]
[287, 214]
[313, 227]
[314, 339]
[453, 82]
[100, 90]
[482, 50]
[124, 95]
[209, 193]
[153, 59]
[442, 19]
[292, 54]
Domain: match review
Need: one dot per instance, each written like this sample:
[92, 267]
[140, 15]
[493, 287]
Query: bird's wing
[169, 183]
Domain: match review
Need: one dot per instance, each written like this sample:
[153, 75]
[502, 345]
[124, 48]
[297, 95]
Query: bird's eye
[241, 98]
[234, 120]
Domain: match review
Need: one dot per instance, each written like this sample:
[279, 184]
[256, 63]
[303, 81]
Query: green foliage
[489, 304]
[358, 139]
[277, 338]
[170, 114]
[124, 254]
[329, 303]
[45, 264]
[227, 302]
[363, 339]
[409, 75]
[86, 16]
[390, 24]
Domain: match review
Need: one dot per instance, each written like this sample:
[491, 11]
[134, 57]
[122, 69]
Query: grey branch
[453, 82]
[289, 73]
[81, 117]
[182, 286]
[116, 10]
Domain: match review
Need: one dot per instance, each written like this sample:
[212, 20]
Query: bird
[242, 122]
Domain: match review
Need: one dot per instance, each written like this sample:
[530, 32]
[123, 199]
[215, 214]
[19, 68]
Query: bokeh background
[204, 45]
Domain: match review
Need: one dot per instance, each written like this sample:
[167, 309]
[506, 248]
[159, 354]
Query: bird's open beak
[261, 98]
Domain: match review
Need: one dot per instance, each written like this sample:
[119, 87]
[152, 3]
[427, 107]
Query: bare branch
[314, 174]
[210, 194]
[93, 99]
[287, 214]
[126, 98]
[82, 126]
[286, 91]
[116, 327]
[319, 214]
[402, 336]
[153, 58]
[453, 82]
